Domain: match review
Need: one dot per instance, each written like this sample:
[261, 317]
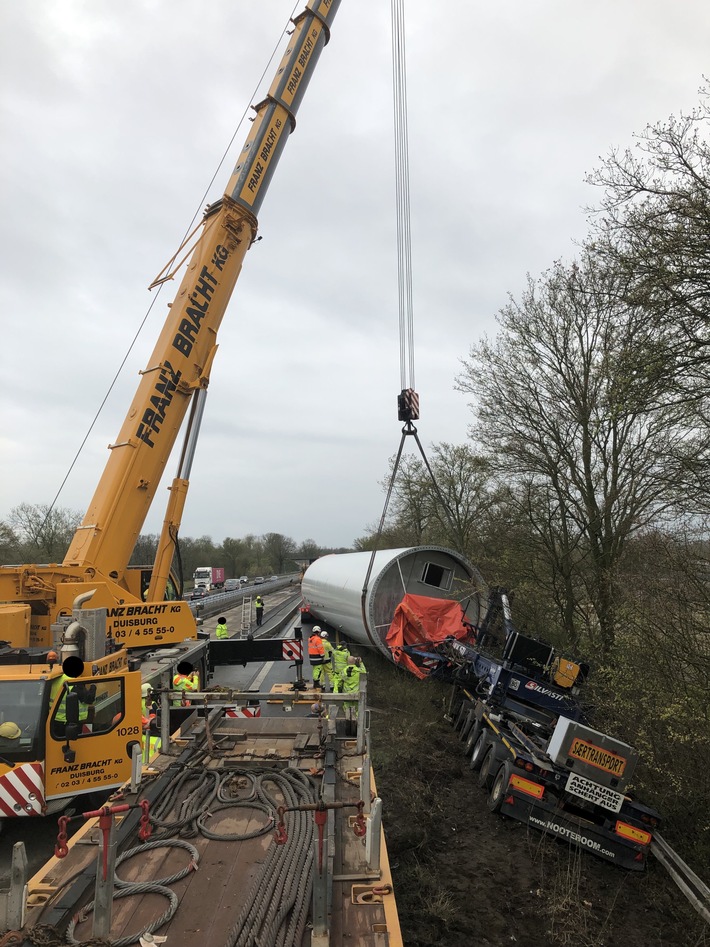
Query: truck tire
[488, 768]
[498, 788]
[472, 737]
[479, 750]
[468, 722]
[461, 715]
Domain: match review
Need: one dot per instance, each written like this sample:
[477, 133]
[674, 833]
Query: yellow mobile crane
[69, 728]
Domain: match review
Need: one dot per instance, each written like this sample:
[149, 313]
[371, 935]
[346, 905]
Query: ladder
[246, 616]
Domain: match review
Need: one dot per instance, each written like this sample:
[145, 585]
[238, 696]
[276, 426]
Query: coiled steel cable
[277, 905]
[195, 796]
[125, 889]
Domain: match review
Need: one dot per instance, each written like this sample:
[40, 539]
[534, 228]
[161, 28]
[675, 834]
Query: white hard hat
[316, 629]
[324, 634]
[145, 690]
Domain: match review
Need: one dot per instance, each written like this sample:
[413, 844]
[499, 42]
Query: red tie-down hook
[145, 831]
[359, 826]
[60, 849]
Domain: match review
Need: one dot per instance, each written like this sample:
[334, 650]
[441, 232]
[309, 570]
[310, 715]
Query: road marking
[256, 683]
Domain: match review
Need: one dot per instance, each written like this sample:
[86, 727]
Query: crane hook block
[408, 405]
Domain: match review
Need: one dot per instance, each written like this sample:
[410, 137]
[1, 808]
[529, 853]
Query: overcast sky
[113, 120]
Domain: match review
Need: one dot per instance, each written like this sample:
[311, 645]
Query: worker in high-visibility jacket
[86, 696]
[187, 683]
[146, 699]
[316, 655]
[340, 662]
[151, 739]
[221, 629]
[328, 663]
[349, 683]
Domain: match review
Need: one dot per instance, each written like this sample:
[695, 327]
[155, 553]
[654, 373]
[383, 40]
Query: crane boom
[182, 357]
[178, 369]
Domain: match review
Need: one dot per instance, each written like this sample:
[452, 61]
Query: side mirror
[72, 711]
[71, 730]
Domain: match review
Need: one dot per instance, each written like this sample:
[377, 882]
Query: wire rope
[127, 889]
[402, 197]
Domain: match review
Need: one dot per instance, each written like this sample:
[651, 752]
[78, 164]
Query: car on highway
[259, 580]
[231, 584]
[244, 579]
[195, 594]
[273, 577]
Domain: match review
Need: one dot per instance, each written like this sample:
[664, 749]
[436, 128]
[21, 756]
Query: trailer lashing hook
[359, 826]
[145, 831]
[61, 849]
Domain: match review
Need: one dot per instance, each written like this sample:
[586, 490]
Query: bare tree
[44, 532]
[278, 550]
[653, 228]
[567, 427]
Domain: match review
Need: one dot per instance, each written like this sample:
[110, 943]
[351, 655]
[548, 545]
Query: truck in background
[208, 577]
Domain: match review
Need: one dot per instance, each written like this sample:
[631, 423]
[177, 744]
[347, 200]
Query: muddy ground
[467, 878]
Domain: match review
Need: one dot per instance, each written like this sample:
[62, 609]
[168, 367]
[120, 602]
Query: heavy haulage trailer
[524, 730]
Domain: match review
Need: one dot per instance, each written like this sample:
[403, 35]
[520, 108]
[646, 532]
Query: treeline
[34, 533]
[584, 488]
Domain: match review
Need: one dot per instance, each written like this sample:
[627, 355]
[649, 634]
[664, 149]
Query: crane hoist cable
[408, 399]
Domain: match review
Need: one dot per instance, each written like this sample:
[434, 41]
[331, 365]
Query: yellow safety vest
[340, 659]
[61, 714]
[183, 682]
[350, 679]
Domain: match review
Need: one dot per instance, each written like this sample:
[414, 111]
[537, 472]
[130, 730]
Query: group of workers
[340, 669]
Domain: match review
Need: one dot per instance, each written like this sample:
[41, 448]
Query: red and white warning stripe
[242, 712]
[22, 790]
[292, 650]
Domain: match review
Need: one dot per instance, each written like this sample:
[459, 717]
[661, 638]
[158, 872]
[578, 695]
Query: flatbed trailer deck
[251, 759]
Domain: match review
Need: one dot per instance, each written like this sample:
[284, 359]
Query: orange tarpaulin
[421, 621]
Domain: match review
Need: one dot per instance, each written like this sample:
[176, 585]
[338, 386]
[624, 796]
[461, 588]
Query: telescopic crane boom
[177, 371]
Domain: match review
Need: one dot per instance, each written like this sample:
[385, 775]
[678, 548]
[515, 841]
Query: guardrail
[216, 602]
[695, 890]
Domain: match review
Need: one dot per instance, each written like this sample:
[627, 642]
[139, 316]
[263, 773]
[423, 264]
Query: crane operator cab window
[21, 729]
[100, 703]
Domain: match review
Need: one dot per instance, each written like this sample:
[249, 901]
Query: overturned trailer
[359, 596]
